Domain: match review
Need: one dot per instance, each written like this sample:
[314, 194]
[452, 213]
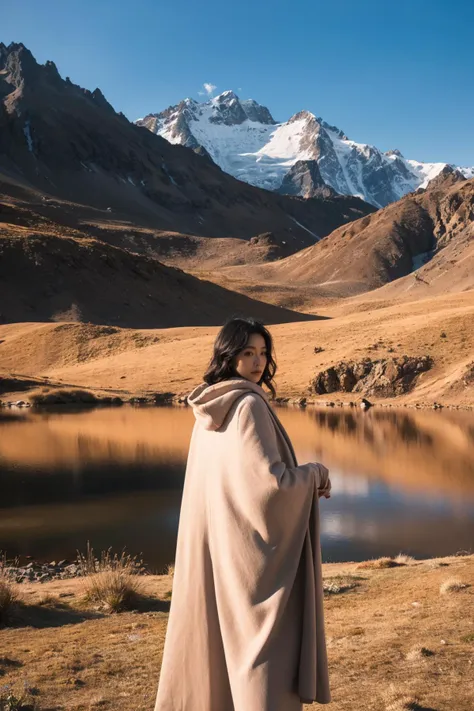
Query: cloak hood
[211, 403]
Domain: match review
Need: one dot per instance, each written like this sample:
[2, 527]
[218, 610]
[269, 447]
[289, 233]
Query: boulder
[384, 377]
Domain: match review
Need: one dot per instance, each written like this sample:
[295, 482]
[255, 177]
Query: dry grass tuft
[48, 600]
[13, 700]
[97, 702]
[403, 703]
[435, 563]
[114, 590]
[403, 559]
[8, 597]
[418, 653]
[111, 580]
[452, 585]
[377, 563]
[400, 700]
[9, 594]
[89, 564]
[170, 569]
[355, 631]
[340, 583]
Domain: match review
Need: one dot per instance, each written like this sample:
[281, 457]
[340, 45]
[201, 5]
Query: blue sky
[394, 73]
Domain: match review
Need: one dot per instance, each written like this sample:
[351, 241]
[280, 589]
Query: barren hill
[48, 278]
[424, 240]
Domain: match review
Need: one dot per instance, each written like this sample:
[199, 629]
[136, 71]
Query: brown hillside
[388, 246]
[49, 278]
[173, 360]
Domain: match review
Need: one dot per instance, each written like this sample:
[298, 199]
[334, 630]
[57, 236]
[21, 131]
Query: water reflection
[401, 481]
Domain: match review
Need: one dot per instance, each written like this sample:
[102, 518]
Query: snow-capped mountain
[244, 140]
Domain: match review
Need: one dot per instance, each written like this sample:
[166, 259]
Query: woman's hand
[324, 483]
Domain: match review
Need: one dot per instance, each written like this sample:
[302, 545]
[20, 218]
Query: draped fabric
[246, 624]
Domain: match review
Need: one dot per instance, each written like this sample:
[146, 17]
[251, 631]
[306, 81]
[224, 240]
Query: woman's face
[251, 361]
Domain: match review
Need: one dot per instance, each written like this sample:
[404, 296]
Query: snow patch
[306, 229]
[165, 168]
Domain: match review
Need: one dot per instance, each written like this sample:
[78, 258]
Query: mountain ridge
[70, 143]
[262, 152]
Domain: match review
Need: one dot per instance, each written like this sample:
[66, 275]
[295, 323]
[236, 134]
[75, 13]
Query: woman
[246, 626]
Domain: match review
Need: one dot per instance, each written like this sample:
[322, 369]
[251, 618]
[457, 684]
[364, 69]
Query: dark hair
[231, 339]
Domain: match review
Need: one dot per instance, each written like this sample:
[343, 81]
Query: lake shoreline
[62, 396]
[42, 572]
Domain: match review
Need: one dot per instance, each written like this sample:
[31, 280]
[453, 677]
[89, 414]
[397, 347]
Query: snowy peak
[393, 152]
[227, 109]
[245, 141]
[257, 112]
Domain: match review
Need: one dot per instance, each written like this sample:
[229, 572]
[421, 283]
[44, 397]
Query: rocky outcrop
[305, 179]
[386, 377]
[445, 178]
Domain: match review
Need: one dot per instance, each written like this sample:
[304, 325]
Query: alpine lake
[402, 480]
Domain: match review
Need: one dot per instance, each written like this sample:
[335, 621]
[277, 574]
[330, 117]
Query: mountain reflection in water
[401, 481]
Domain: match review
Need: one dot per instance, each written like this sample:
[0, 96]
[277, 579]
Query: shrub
[114, 590]
[111, 580]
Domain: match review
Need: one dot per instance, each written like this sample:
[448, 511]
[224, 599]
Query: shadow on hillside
[147, 603]
[57, 614]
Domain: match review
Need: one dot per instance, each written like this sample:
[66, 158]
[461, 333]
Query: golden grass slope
[395, 641]
[136, 360]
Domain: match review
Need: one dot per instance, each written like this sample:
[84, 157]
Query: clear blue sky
[394, 73]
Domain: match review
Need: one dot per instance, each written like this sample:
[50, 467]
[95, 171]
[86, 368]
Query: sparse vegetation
[403, 703]
[376, 563]
[452, 585]
[62, 396]
[9, 594]
[12, 699]
[418, 653]
[112, 661]
[114, 590]
[340, 584]
[403, 559]
[170, 569]
[111, 580]
[48, 600]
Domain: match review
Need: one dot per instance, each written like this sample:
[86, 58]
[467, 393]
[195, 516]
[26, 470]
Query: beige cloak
[246, 625]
